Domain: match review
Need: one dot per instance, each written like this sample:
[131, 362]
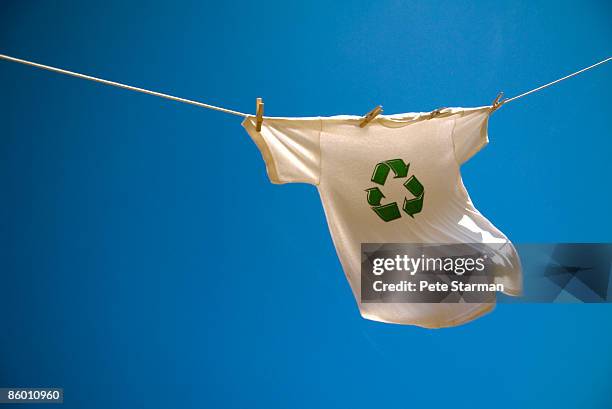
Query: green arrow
[374, 196]
[414, 186]
[399, 167]
[388, 212]
[381, 171]
[413, 206]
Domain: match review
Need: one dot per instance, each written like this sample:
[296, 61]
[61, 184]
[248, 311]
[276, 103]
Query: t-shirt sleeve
[470, 132]
[290, 148]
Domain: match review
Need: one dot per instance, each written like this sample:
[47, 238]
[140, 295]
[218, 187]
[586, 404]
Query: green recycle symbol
[391, 211]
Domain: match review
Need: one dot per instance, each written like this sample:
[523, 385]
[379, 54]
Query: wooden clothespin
[497, 102]
[259, 114]
[370, 116]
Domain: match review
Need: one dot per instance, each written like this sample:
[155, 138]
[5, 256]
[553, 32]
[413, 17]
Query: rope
[498, 103]
[124, 86]
[505, 101]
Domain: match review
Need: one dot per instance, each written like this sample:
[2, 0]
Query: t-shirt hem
[513, 292]
[459, 320]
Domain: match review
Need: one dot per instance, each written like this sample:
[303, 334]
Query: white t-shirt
[340, 159]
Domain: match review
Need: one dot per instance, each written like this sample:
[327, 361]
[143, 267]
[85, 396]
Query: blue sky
[122, 283]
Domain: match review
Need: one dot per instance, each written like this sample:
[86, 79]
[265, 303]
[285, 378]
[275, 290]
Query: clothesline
[124, 86]
[238, 113]
[505, 101]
